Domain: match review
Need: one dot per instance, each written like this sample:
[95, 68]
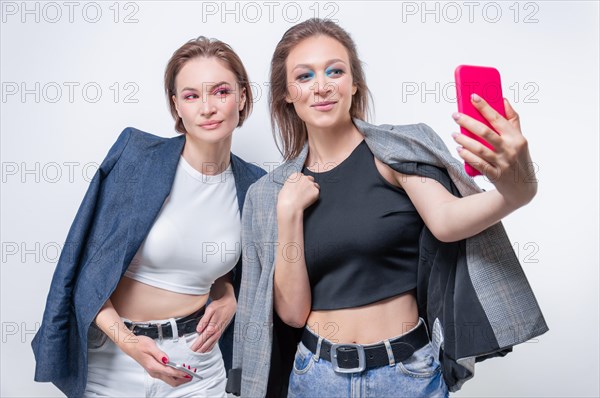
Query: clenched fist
[299, 192]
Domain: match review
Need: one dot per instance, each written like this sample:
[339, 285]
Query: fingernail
[165, 360]
[188, 376]
[454, 135]
[455, 115]
[475, 97]
[195, 370]
[459, 148]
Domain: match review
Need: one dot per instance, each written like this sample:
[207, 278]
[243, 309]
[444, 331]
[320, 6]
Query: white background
[546, 51]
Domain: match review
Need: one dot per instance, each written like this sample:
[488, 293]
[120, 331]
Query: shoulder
[253, 171]
[389, 134]
[264, 191]
[139, 136]
[137, 140]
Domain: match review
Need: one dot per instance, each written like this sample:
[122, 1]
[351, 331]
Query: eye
[335, 72]
[190, 96]
[305, 76]
[222, 91]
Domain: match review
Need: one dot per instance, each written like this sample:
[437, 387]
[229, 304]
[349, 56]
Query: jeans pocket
[422, 363]
[303, 360]
[188, 339]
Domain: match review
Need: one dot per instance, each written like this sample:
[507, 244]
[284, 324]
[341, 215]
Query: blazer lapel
[243, 179]
[281, 173]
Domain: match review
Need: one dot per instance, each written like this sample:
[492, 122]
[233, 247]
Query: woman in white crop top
[190, 251]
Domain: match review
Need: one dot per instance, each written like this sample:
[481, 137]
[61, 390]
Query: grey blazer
[473, 293]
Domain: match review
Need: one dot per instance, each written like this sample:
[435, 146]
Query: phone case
[485, 82]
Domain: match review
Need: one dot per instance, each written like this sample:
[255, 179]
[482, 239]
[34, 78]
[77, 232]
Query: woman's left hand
[508, 166]
[217, 317]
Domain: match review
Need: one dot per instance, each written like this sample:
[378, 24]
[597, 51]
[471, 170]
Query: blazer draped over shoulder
[121, 203]
[473, 293]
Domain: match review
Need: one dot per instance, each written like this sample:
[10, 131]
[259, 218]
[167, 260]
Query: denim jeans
[112, 373]
[418, 376]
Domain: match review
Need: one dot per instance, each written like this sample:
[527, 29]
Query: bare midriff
[140, 302]
[368, 324]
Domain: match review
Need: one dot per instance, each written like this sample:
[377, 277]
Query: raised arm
[508, 167]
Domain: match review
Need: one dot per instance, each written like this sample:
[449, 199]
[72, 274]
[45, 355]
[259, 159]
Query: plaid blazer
[473, 293]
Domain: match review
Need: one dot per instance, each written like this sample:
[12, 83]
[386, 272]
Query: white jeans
[112, 373]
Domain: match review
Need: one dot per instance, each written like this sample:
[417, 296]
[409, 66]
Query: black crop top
[361, 237]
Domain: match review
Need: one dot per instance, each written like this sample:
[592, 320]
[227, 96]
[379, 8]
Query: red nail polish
[195, 370]
[188, 376]
[164, 360]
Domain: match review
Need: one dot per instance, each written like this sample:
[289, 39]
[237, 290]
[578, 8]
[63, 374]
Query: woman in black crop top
[349, 225]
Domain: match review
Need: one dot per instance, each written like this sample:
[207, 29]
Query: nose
[208, 107]
[323, 85]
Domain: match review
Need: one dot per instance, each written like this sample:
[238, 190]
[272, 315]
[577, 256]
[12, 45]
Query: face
[320, 82]
[208, 99]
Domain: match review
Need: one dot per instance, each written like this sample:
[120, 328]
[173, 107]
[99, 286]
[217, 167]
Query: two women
[366, 255]
[156, 237]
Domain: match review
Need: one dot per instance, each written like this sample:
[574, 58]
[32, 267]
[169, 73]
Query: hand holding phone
[485, 82]
[183, 369]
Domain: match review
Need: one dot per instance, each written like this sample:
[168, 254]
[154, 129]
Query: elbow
[295, 322]
[444, 234]
[295, 319]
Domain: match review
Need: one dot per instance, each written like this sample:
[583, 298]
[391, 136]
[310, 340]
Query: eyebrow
[331, 61]
[209, 87]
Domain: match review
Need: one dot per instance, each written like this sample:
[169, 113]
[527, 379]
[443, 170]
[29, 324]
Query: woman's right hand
[141, 348]
[145, 351]
[299, 192]
[291, 287]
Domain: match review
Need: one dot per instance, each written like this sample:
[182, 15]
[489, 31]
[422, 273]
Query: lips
[324, 106]
[212, 124]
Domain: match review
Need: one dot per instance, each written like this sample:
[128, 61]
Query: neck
[207, 158]
[333, 144]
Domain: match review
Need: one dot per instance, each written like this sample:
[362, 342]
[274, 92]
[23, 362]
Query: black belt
[185, 325]
[354, 358]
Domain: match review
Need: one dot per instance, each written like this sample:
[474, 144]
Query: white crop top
[196, 237]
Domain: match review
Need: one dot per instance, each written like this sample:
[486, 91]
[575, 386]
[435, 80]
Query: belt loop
[318, 350]
[390, 353]
[160, 331]
[174, 330]
[421, 320]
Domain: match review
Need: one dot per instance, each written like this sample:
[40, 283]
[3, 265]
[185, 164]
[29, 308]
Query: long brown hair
[204, 47]
[284, 120]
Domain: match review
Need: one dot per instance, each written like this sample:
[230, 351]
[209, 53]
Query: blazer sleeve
[51, 341]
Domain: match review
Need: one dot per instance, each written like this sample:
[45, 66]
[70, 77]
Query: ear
[176, 106]
[354, 89]
[242, 99]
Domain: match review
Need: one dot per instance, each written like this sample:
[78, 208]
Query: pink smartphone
[485, 82]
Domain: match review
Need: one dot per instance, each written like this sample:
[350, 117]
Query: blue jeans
[418, 376]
